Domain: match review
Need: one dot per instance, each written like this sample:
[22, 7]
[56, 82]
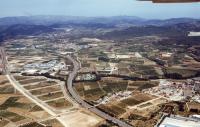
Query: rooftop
[177, 121]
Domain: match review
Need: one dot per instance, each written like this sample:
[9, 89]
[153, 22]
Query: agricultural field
[40, 84]
[52, 122]
[29, 81]
[141, 85]
[50, 96]
[60, 103]
[113, 110]
[89, 91]
[3, 81]
[16, 109]
[19, 77]
[93, 91]
[131, 101]
[144, 70]
[178, 73]
[7, 89]
[84, 117]
[32, 124]
[45, 90]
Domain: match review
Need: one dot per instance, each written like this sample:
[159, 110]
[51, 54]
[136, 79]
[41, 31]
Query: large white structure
[178, 121]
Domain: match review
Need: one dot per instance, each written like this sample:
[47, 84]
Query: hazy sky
[97, 8]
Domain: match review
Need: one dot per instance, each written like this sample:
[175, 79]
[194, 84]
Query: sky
[94, 8]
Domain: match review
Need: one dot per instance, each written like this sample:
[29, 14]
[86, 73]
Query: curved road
[85, 104]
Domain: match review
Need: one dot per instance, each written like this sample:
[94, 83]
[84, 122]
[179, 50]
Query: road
[25, 92]
[84, 104]
[34, 99]
[3, 61]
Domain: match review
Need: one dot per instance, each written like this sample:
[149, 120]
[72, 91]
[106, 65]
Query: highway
[84, 104]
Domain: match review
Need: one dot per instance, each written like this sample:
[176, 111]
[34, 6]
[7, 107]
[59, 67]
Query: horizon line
[99, 16]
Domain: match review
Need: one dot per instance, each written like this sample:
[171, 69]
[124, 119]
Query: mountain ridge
[114, 20]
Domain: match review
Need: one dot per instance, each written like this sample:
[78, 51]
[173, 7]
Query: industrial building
[178, 121]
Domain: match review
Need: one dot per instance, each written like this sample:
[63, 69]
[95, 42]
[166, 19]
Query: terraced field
[15, 108]
[28, 81]
[47, 90]
[40, 85]
[40, 91]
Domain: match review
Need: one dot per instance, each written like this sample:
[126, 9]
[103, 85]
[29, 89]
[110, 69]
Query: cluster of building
[195, 82]
[192, 33]
[86, 77]
[116, 96]
[165, 55]
[47, 67]
[177, 91]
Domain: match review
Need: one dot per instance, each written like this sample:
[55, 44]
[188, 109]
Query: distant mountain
[171, 21]
[174, 30]
[115, 21]
[15, 30]
[50, 20]
[110, 27]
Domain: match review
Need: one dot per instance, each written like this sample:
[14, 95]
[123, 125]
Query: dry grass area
[135, 99]
[193, 105]
[112, 109]
[53, 123]
[2, 78]
[3, 123]
[81, 119]
[60, 103]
